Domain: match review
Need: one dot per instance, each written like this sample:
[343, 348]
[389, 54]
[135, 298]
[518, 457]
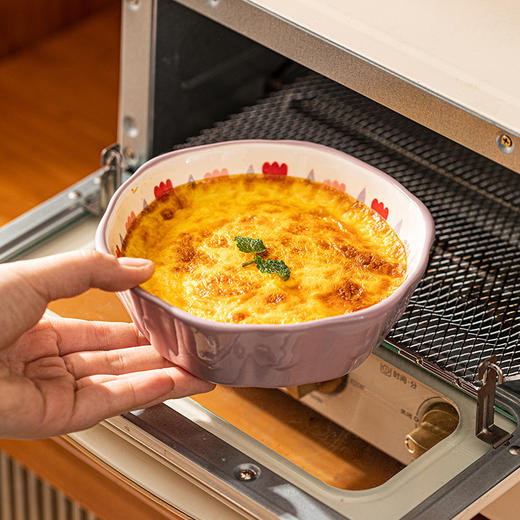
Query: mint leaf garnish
[268, 265]
[250, 245]
[255, 245]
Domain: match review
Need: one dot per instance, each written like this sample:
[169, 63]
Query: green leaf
[278, 267]
[255, 245]
[250, 245]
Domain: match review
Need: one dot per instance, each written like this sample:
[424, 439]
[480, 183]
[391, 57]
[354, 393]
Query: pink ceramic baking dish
[269, 355]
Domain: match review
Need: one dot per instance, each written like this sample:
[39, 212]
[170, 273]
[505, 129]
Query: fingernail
[128, 261]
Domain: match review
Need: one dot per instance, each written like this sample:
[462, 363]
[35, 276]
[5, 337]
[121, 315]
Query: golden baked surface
[342, 255]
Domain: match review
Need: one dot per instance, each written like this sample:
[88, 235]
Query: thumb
[27, 287]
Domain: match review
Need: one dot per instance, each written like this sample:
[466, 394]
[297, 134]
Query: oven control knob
[436, 422]
[332, 386]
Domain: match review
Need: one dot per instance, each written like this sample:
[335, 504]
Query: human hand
[60, 375]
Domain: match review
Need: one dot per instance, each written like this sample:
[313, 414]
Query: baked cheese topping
[342, 255]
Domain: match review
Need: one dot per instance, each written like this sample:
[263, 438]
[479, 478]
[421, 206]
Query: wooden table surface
[59, 109]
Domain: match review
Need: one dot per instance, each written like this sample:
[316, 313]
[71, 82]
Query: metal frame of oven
[174, 85]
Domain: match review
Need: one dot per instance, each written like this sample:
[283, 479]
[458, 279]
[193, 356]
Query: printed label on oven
[391, 372]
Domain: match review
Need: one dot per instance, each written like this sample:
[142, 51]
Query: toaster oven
[435, 409]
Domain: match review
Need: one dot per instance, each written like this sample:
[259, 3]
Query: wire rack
[467, 305]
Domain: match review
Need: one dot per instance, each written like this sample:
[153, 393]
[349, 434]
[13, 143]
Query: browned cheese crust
[343, 256]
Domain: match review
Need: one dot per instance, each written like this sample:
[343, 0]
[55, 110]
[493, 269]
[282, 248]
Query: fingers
[69, 274]
[28, 286]
[100, 397]
[185, 383]
[81, 335]
[114, 362]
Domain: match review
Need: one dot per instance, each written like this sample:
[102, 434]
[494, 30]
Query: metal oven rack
[467, 306]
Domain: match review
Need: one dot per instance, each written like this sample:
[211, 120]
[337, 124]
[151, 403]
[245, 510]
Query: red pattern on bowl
[274, 168]
[162, 188]
[335, 184]
[216, 173]
[269, 355]
[380, 208]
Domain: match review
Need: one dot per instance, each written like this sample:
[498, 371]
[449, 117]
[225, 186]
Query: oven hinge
[110, 178]
[486, 430]
[107, 180]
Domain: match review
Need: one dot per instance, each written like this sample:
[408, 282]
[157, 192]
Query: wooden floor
[58, 101]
